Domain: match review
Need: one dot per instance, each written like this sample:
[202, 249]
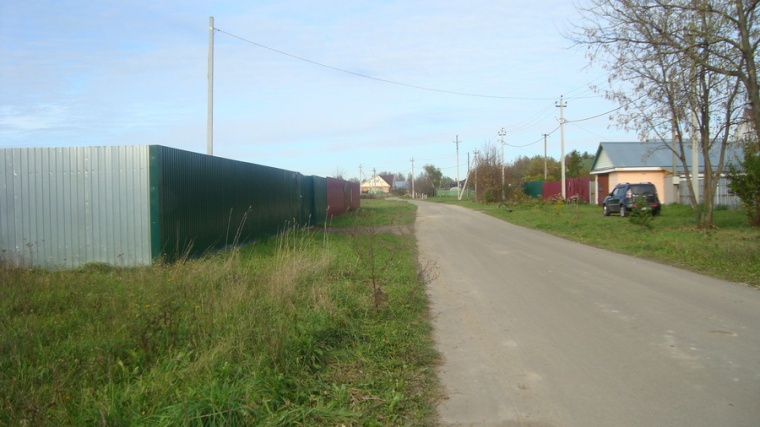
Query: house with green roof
[653, 161]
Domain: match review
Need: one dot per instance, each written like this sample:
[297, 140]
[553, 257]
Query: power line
[591, 132]
[598, 115]
[608, 112]
[534, 142]
[540, 115]
[584, 89]
[342, 70]
[532, 120]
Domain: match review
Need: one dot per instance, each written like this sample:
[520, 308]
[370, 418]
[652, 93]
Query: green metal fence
[533, 189]
[202, 203]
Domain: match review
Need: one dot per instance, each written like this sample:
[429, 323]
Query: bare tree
[428, 180]
[733, 37]
[671, 76]
[338, 172]
[424, 185]
[488, 172]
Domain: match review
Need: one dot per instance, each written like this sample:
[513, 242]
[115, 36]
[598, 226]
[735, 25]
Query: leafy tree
[518, 169]
[434, 174]
[578, 165]
[745, 182]
[525, 169]
[574, 164]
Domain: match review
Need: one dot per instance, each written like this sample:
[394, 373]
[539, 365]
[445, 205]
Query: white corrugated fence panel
[65, 207]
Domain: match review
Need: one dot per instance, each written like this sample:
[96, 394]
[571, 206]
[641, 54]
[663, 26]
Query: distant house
[390, 179]
[654, 162]
[375, 185]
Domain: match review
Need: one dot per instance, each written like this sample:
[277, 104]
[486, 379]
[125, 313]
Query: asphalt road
[539, 331]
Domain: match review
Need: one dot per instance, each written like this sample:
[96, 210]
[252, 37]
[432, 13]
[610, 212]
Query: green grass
[311, 328]
[377, 213]
[730, 251]
[290, 331]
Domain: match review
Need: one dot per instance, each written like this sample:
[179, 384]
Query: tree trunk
[748, 52]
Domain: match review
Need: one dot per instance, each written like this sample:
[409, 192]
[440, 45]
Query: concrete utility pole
[372, 184]
[545, 171]
[475, 165]
[412, 177]
[467, 175]
[501, 134]
[457, 143]
[561, 104]
[210, 121]
[360, 174]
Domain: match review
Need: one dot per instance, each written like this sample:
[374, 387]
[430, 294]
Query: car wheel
[606, 210]
[623, 211]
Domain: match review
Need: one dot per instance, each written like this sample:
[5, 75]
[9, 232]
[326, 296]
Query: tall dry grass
[279, 333]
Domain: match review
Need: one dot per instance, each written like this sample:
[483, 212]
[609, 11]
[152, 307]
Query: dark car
[622, 199]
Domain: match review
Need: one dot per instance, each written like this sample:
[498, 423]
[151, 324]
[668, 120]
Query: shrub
[745, 182]
[639, 214]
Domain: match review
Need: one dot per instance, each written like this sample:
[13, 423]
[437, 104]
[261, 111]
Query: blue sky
[81, 73]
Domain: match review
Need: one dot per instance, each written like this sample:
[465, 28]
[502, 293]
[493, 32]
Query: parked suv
[622, 199]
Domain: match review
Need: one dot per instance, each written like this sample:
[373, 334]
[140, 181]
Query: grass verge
[730, 251]
[291, 331]
[376, 213]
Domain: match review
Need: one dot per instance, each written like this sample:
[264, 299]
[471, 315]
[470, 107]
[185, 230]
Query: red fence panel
[551, 189]
[578, 188]
[574, 188]
[342, 196]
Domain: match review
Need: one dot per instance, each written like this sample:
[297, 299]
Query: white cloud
[42, 117]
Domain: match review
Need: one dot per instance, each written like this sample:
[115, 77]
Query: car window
[642, 189]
